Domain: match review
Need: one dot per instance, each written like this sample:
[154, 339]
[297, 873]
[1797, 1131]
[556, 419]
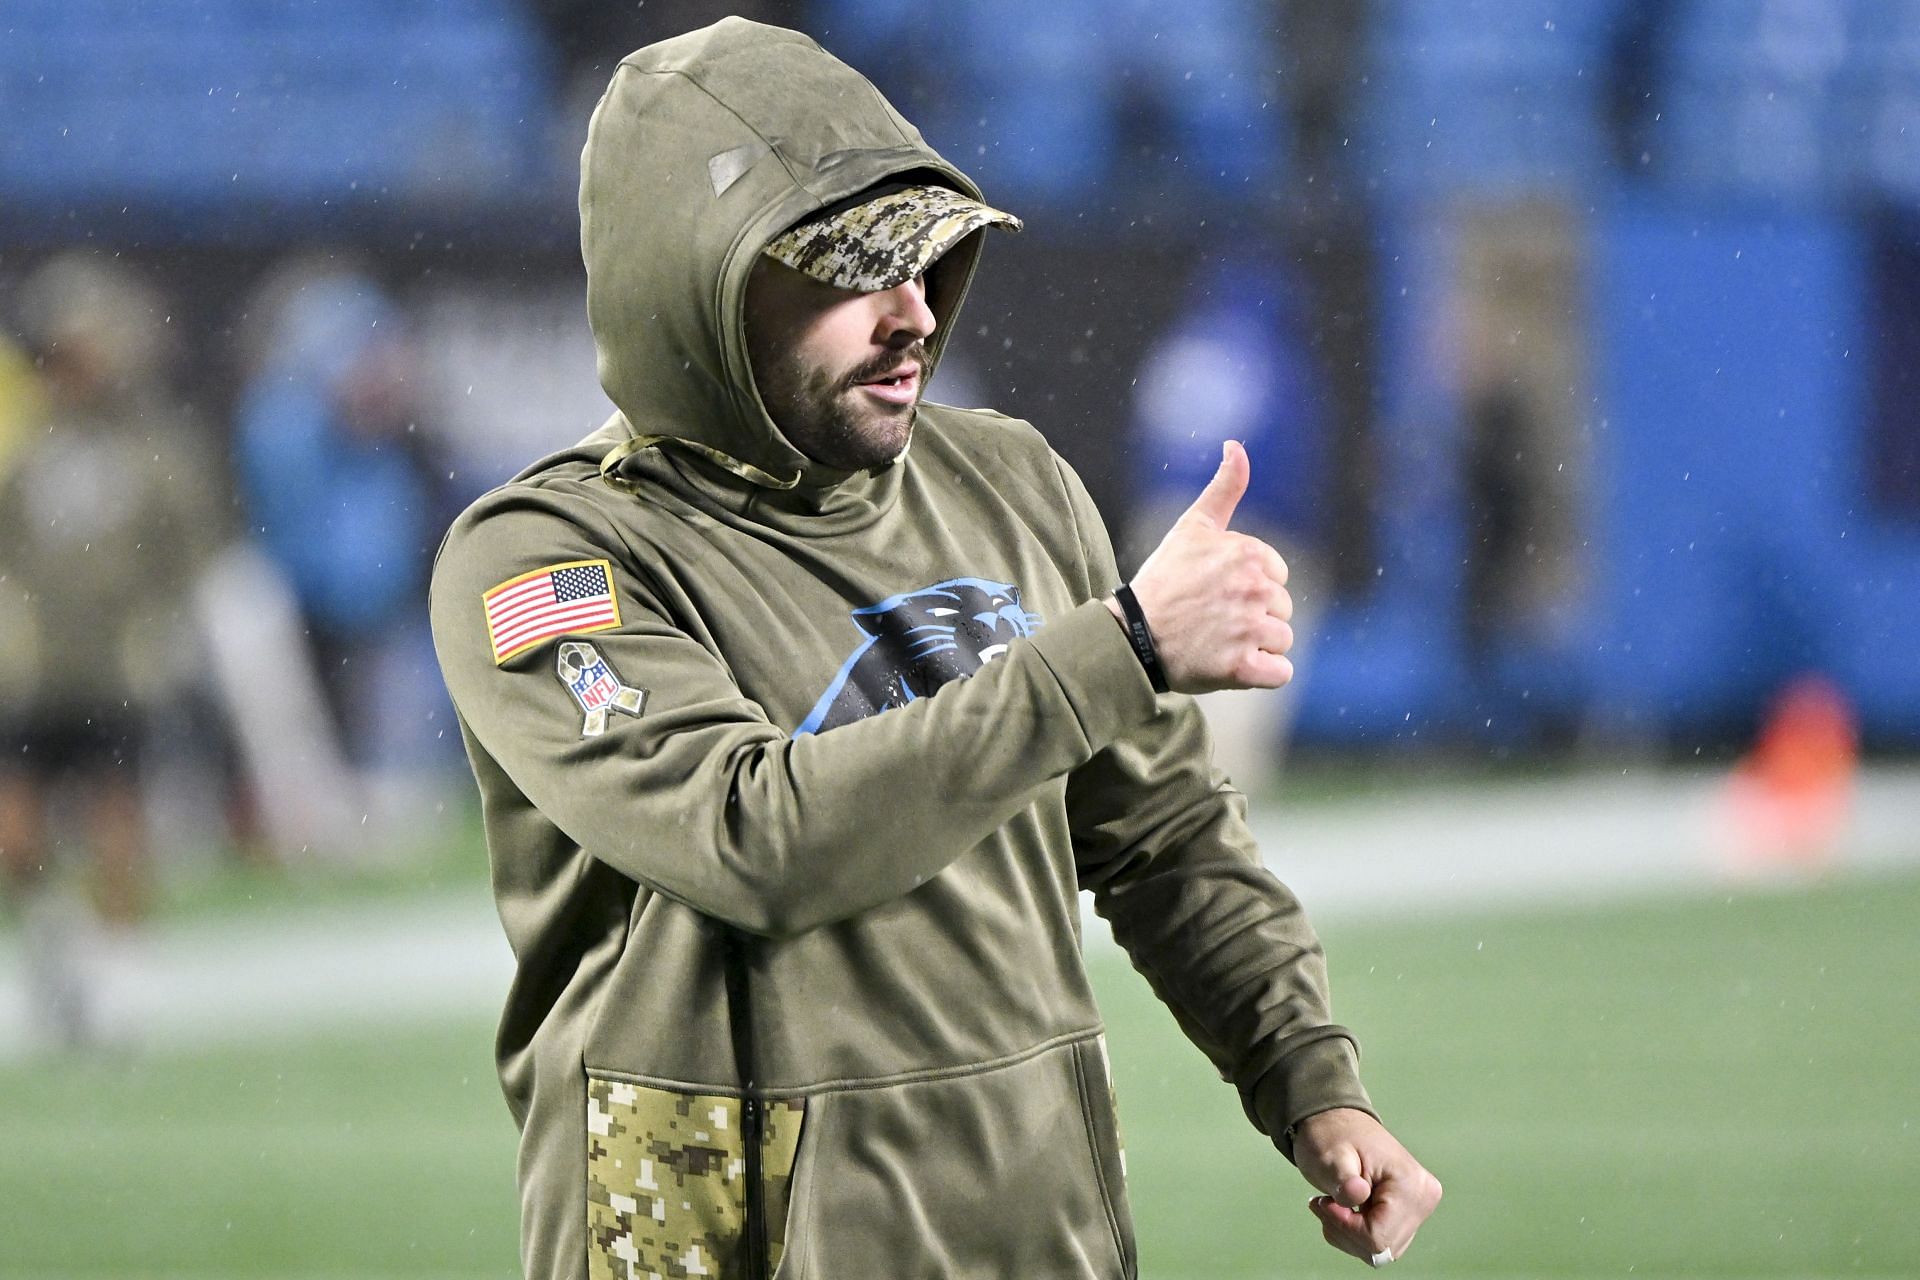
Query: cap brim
[887, 240]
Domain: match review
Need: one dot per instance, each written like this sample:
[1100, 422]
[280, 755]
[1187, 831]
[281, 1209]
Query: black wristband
[1140, 636]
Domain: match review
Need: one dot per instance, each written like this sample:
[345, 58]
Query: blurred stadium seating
[216, 106]
[1733, 181]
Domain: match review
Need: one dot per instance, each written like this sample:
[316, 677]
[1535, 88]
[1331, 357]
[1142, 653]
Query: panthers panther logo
[918, 641]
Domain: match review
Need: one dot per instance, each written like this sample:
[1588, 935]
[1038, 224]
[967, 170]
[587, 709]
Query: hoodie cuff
[1103, 682]
[1317, 1077]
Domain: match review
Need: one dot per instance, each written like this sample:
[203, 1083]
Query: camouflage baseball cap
[883, 241]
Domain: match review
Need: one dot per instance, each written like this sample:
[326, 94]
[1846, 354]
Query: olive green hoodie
[792, 776]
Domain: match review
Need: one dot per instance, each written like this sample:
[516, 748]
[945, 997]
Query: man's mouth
[900, 385]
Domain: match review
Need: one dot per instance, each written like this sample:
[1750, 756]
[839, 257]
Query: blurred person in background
[1524, 442]
[1238, 364]
[20, 398]
[105, 516]
[346, 497]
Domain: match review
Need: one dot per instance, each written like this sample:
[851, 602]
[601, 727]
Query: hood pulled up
[704, 148]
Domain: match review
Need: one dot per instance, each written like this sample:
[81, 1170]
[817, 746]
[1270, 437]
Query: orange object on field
[1790, 798]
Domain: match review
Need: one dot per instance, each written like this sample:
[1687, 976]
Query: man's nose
[904, 312]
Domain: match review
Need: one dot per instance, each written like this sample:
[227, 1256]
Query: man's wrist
[1318, 1076]
[1340, 1115]
[1097, 672]
[1140, 636]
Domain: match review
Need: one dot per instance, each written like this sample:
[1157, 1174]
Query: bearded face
[840, 372]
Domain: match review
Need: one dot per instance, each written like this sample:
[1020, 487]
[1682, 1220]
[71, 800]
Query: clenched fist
[1216, 601]
[1376, 1194]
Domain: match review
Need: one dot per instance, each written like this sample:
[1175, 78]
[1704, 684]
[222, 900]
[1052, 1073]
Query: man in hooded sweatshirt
[802, 710]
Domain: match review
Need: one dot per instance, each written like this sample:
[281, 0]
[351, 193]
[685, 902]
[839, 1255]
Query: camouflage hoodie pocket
[667, 1182]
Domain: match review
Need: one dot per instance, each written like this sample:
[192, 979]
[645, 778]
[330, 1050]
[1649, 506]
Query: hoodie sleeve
[1162, 841]
[700, 796]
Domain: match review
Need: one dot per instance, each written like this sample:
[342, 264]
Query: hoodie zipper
[752, 1111]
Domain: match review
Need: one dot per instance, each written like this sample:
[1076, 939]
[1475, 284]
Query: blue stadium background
[1741, 177]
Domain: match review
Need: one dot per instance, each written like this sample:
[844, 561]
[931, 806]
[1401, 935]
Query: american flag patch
[561, 599]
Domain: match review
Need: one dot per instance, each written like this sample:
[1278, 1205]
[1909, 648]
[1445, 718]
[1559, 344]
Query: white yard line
[1394, 855]
[1561, 840]
[377, 964]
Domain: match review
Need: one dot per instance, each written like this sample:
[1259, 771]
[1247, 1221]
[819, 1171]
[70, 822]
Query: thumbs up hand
[1216, 601]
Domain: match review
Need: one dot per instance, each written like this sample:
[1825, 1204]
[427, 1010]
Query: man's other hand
[1377, 1195]
[1216, 601]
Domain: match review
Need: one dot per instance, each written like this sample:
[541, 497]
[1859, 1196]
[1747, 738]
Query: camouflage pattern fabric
[887, 240]
[779, 1146]
[666, 1181]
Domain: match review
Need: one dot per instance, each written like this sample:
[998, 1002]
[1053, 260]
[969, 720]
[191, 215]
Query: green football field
[1716, 1086]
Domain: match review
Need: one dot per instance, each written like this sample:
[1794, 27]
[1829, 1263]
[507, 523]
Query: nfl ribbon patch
[596, 686]
[561, 599]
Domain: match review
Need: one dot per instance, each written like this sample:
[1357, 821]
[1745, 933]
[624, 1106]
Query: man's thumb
[1223, 493]
[1341, 1177]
